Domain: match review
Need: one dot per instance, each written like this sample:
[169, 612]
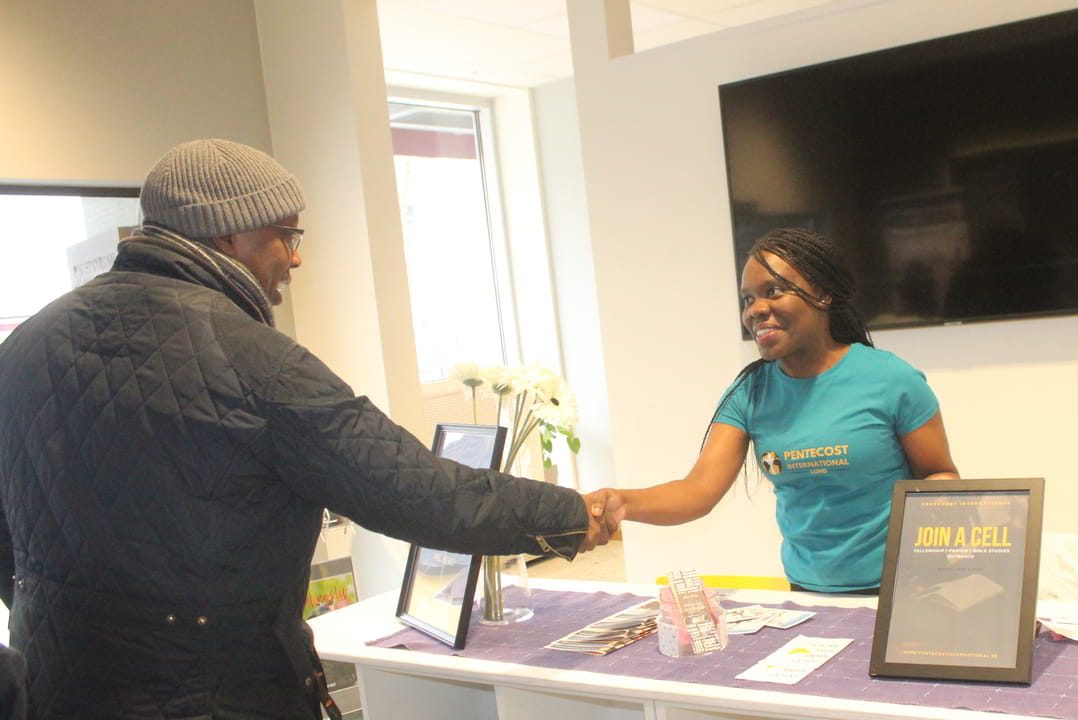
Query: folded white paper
[794, 660]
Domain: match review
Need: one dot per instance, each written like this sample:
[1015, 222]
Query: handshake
[606, 510]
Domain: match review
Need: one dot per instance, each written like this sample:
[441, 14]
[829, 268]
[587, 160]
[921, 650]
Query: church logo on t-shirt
[770, 461]
[818, 460]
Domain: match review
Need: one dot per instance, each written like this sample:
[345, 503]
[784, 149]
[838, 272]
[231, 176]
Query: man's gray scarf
[215, 262]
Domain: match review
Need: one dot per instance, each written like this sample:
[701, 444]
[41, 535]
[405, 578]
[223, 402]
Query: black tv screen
[947, 170]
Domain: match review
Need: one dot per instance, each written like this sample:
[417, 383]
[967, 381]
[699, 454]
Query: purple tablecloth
[1053, 693]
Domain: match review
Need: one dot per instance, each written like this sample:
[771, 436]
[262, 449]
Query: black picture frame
[438, 589]
[959, 589]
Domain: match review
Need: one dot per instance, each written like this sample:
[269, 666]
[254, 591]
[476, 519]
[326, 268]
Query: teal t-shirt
[830, 445]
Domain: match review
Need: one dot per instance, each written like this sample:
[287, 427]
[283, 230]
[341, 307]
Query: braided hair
[821, 263]
[824, 266]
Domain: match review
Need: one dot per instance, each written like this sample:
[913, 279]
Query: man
[165, 456]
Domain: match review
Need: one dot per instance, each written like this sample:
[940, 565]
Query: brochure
[612, 632]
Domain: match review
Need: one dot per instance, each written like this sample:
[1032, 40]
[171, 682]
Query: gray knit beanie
[210, 188]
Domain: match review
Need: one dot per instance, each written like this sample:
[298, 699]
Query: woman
[833, 422]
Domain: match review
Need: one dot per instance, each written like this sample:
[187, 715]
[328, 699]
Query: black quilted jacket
[165, 456]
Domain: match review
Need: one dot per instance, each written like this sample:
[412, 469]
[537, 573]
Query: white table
[398, 684]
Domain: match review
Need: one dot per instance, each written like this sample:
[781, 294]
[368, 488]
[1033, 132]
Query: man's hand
[606, 510]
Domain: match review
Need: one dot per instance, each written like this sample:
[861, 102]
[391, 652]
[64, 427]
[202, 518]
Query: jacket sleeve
[340, 451]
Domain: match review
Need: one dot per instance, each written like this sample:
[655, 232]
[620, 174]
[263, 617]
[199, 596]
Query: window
[56, 239]
[451, 238]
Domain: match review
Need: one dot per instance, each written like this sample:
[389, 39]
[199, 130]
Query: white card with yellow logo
[795, 660]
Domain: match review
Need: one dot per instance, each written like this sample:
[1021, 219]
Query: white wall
[655, 181]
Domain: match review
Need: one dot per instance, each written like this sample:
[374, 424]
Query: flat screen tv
[946, 169]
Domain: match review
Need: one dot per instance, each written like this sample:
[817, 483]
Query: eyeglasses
[295, 235]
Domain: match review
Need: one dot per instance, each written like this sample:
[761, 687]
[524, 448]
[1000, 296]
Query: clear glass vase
[505, 597]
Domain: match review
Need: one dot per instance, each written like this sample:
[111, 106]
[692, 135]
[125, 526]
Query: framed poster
[959, 588]
[439, 586]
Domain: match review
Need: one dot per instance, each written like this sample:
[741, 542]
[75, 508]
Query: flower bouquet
[530, 397]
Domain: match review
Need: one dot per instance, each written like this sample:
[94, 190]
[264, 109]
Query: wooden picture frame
[959, 589]
[438, 589]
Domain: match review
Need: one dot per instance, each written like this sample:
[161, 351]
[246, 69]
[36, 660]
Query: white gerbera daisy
[467, 373]
[502, 380]
[542, 381]
[558, 407]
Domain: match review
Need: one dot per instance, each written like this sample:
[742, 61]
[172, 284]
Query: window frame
[497, 234]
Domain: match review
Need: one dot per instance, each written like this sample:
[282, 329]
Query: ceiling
[525, 43]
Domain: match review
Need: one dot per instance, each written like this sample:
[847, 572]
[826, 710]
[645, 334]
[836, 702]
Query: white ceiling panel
[501, 12]
[648, 18]
[761, 10]
[525, 43]
[694, 8]
[557, 26]
[426, 41]
[556, 66]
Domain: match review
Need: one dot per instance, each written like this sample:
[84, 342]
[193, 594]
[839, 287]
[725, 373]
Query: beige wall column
[325, 91]
[95, 93]
[326, 95]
